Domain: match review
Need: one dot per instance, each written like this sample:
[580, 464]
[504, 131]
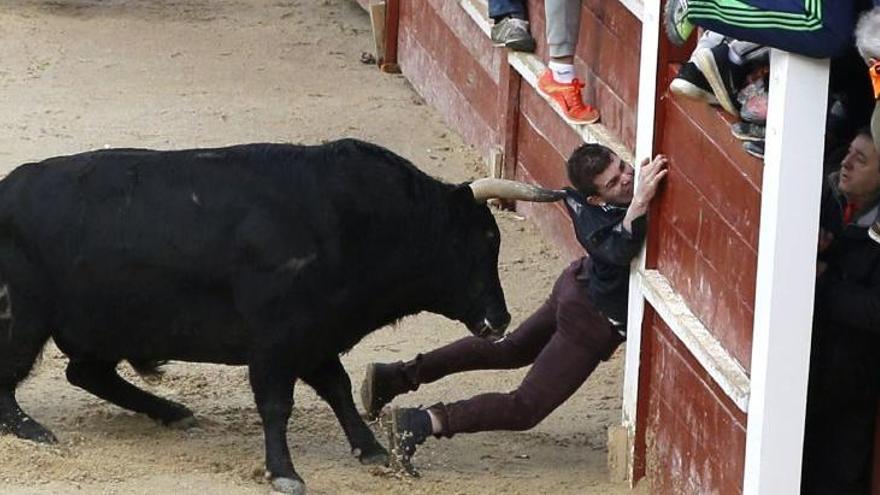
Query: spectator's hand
[825, 240]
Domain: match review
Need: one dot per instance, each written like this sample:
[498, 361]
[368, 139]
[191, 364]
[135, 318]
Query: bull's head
[478, 299]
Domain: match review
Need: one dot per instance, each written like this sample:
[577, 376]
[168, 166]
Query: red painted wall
[454, 66]
[708, 233]
[695, 435]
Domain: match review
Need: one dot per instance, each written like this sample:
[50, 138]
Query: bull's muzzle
[489, 330]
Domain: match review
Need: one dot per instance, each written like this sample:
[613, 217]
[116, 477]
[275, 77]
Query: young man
[580, 324]
[844, 369]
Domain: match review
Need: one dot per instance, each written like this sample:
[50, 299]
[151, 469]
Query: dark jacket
[610, 247]
[847, 307]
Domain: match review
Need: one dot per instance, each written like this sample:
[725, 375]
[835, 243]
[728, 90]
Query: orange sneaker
[568, 98]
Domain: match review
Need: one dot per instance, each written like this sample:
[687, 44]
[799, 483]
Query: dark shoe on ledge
[513, 33]
[691, 83]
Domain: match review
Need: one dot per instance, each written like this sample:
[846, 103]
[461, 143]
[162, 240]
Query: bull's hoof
[184, 423]
[377, 456]
[288, 486]
[28, 429]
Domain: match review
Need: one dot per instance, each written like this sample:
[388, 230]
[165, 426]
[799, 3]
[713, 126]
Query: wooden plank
[786, 273]
[638, 355]
[392, 23]
[377, 21]
[727, 373]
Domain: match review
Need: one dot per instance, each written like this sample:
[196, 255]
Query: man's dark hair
[585, 163]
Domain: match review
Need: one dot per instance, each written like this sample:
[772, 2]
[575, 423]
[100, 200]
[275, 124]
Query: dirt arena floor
[77, 75]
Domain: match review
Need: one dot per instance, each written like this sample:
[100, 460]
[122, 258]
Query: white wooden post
[786, 274]
[644, 148]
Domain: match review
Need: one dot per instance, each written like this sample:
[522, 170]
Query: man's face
[860, 170]
[615, 183]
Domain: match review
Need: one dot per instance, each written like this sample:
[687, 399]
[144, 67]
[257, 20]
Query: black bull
[278, 257]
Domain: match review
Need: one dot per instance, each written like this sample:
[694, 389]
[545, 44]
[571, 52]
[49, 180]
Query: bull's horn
[488, 188]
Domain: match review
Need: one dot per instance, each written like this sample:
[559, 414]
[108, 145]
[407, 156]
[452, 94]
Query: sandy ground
[83, 74]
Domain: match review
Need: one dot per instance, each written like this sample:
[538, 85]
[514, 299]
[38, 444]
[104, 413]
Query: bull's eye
[490, 235]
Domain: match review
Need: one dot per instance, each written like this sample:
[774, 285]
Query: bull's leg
[332, 383]
[101, 379]
[273, 392]
[21, 340]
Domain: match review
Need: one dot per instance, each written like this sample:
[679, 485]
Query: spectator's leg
[499, 9]
[563, 22]
[690, 82]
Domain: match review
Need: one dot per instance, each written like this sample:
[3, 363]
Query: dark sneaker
[407, 429]
[513, 33]
[675, 22]
[747, 131]
[382, 383]
[725, 78]
[754, 148]
[691, 83]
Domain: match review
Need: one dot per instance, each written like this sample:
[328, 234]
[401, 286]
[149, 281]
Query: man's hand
[651, 173]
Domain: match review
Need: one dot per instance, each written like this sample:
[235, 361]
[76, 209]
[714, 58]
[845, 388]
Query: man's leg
[385, 381]
[816, 28]
[583, 338]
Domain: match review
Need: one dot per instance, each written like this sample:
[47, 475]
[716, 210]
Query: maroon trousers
[564, 340]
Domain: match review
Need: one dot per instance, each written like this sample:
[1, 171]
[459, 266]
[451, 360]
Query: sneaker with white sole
[691, 83]
[513, 33]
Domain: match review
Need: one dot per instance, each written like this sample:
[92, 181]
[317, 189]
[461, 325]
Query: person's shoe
[567, 98]
[750, 90]
[755, 108]
[675, 22]
[382, 383]
[407, 429]
[747, 131]
[754, 148]
[691, 83]
[514, 34]
[725, 77]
